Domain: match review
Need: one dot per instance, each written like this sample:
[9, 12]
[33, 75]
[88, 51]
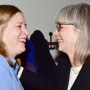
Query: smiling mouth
[60, 40]
[22, 41]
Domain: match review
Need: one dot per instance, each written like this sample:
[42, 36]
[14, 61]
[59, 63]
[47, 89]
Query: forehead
[18, 17]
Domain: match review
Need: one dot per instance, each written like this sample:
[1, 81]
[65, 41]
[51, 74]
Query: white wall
[39, 14]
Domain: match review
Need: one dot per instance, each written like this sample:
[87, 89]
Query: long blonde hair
[6, 12]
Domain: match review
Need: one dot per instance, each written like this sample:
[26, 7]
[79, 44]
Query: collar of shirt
[16, 66]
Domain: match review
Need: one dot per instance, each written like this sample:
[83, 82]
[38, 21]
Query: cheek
[9, 41]
[71, 41]
[15, 33]
[10, 37]
[69, 38]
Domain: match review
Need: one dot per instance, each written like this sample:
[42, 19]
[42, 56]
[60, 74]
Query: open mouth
[22, 41]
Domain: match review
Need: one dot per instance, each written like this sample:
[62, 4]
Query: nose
[55, 33]
[26, 32]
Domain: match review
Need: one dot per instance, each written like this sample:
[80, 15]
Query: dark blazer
[59, 77]
[82, 82]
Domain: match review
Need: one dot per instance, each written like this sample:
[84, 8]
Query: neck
[78, 64]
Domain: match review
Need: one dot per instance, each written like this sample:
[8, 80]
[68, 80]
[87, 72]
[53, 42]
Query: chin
[22, 50]
[59, 49]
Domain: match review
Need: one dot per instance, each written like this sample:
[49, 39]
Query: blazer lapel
[67, 78]
[83, 76]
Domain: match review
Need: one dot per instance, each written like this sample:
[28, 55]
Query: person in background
[13, 33]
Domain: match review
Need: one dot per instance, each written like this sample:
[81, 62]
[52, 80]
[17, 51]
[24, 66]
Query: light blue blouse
[8, 75]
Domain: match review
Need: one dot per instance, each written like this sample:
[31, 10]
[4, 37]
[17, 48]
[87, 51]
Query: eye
[19, 26]
[60, 28]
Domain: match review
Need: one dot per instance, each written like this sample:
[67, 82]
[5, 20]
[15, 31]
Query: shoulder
[3, 63]
[5, 75]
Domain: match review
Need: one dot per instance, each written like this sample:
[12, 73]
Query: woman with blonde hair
[13, 33]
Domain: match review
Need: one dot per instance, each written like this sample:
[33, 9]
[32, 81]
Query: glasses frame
[58, 25]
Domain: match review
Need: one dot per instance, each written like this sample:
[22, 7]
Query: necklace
[75, 71]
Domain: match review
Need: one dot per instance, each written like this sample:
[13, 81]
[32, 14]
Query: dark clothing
[42, 54]
[39, 82]
[35, 81]
[59, 78]
[37, 51]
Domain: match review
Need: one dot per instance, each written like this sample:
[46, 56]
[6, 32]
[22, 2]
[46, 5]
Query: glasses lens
[58, 26]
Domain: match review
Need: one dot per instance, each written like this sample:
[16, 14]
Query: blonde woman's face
[15, 34]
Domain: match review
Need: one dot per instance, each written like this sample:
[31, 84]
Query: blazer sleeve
[35, 81]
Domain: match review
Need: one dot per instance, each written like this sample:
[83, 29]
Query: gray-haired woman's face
[66, 37]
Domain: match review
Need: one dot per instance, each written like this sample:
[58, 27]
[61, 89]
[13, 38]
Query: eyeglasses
[58, 25]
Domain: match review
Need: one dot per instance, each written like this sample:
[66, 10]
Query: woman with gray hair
[73, 35]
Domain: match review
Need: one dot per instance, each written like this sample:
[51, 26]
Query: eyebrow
[21, 23]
